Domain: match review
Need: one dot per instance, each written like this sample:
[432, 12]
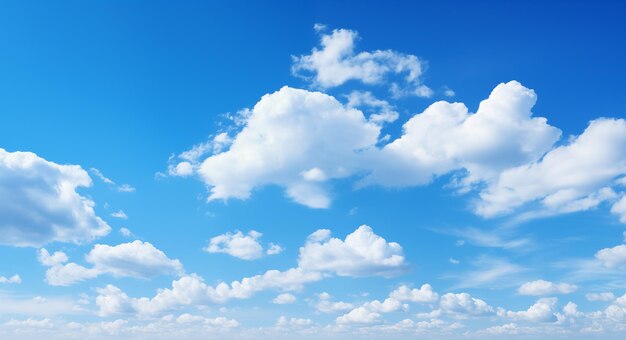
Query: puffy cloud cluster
[612, 257]
[464, 304]
[542, 311]
[336, 63]
[543, 287]
[302, 140]
[246, 247]
[192, 290]
[362, 253]
[370, 312]
[44, 205]
[134, 259]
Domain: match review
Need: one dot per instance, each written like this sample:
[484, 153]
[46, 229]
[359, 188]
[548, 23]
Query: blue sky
[320, 169]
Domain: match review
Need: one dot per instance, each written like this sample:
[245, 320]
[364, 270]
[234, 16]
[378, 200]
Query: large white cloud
[293, 138]
[336, 63]
[362, 253]
[135, 259]
[44, 205]
[573, 177]
[543, 287]
[446, 137]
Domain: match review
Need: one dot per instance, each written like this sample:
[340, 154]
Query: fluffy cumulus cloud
[464, 304]
[612, 257]
[302, 141]
[293, 138]
[362, 253]
[542, 311]
[135, 259]
[542, 287]
[246, 247]
[284, 299]
[336, 62]
[191, 290]
[371, 311]
[44, 205]
[573, 177]
[446, 137]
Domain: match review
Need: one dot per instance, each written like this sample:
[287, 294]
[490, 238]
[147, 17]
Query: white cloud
[13, 279]
[121, 188]
[381, 259]
[487, 272]
[424, 294]
[446, 137]
[325, 305]
[359, 315]
[284, 299]
[362, 253]
[619, 208]
[101, 176]
[38, 306]
[453, 261]
[569, 178]
[292, 138]
[302, 141]
[284, 322]
[385, 112]
[464, 304]
[542, 287]
[120, 214]
[336, 63]
[245, 247]
[135, 259]
[126, 188]
[542, 311]
[125, 232]
[370, 311]
[191, 290]
[612, 257]
[44, 205]
[274, 249]
[604, 296]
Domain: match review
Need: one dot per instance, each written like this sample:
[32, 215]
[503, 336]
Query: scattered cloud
[336, 63]
[362, 253]
[135, 259]
[542, 288]
[44, 205]
[284, 299]
[245, 247]
[119, 214]
[13, 279]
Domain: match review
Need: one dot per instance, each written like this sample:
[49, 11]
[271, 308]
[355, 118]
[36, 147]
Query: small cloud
[459, 243]
[99, 174]
[126, 188]
[125, 232]
[448, 92]
[274, 249]
[120, 214]
[454, 261]
[284, 299]
[16, 279]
